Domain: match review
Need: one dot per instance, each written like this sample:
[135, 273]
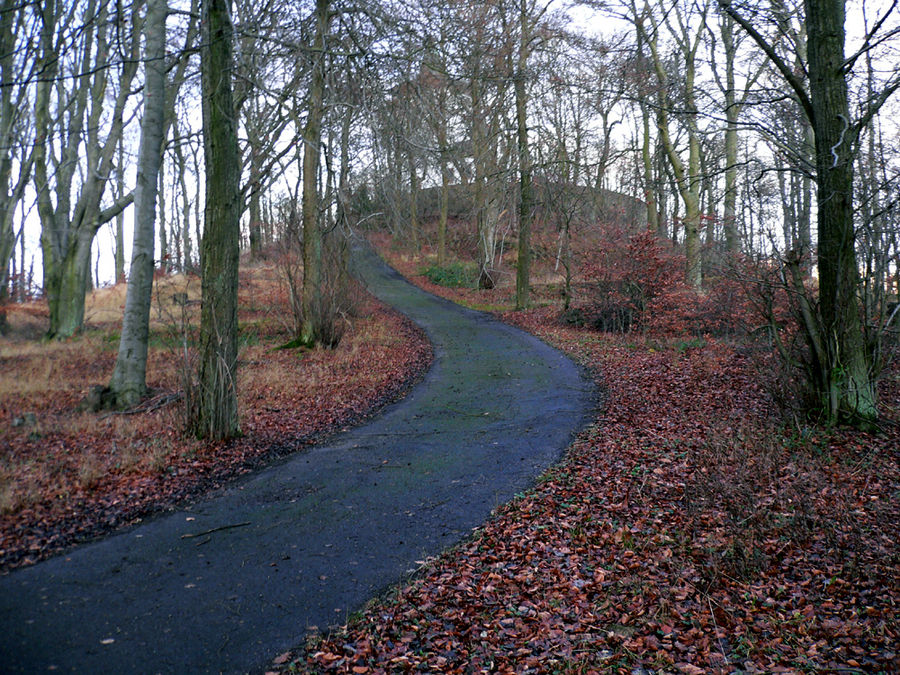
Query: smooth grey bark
[129, 378]
[527, 23]
[164, 264]
[732, 111]
[181, 171]
[343, 193]
[687, 176]
[120, 221]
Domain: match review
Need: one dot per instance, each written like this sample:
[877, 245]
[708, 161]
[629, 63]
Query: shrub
[623, 278]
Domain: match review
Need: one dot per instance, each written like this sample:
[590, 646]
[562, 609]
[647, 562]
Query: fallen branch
[215, 529]
[149, 405]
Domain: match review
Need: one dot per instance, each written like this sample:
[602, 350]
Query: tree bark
[67, 230]
[732, 110]
[312, 136]
[850, 384]
[215, 413]
[687, 178]
[12, 92]
[129, 378]
[843, 372]
[523, 258]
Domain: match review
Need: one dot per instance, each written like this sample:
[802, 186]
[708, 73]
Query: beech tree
[312, 137]
[529, 16]
[687, 34]
[76, 130]
[269, 71]
[129, 382]
[734, 101]
[485, 68]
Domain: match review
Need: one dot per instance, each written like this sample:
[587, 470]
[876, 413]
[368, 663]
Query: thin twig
[215, 529]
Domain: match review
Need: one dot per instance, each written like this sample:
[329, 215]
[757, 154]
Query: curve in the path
[307, 541]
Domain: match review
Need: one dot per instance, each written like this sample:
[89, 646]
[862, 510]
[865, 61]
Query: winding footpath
[227, 583]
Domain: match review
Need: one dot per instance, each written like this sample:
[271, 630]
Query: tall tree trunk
[216, 412]
[312, 136]
[849, 383]
[120, 219]
[687, 178]
[253, 211]
[445, 208]
[120, 248]
[343, 196]
[129, 378]
[443, 150]
[486, 212]
[729, 207]
[165, 259]
[523, 259]
[413, 198]
[12, 93]
[805, 216]
[181, 171]
[653, 219]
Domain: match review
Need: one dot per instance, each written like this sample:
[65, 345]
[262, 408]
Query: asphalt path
[227, 583]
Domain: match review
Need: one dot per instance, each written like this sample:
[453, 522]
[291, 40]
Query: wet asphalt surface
[227, 583]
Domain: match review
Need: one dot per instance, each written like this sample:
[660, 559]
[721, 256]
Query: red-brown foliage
[686, 531]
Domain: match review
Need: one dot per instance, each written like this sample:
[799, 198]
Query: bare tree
[687, 31]
[70, 110]
[129, 378]
[529, 17]
[312, 137]
[17, 61]
[841, 370]
[215, 411]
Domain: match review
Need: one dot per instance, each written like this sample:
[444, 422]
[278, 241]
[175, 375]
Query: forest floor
[691, 529]
[69, 475]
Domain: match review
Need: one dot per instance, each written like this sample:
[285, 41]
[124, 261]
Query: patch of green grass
[248, 335]
[682, 346]
[452, 275]
[295, 343]
[110, 341]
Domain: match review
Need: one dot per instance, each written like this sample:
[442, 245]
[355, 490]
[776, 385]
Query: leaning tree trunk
[687, 177]
[129, 379]
[215, 413]
[849, 384]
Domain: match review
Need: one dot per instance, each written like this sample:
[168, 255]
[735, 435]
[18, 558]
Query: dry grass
[63, 468]
[105, 306]
[50, 450]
